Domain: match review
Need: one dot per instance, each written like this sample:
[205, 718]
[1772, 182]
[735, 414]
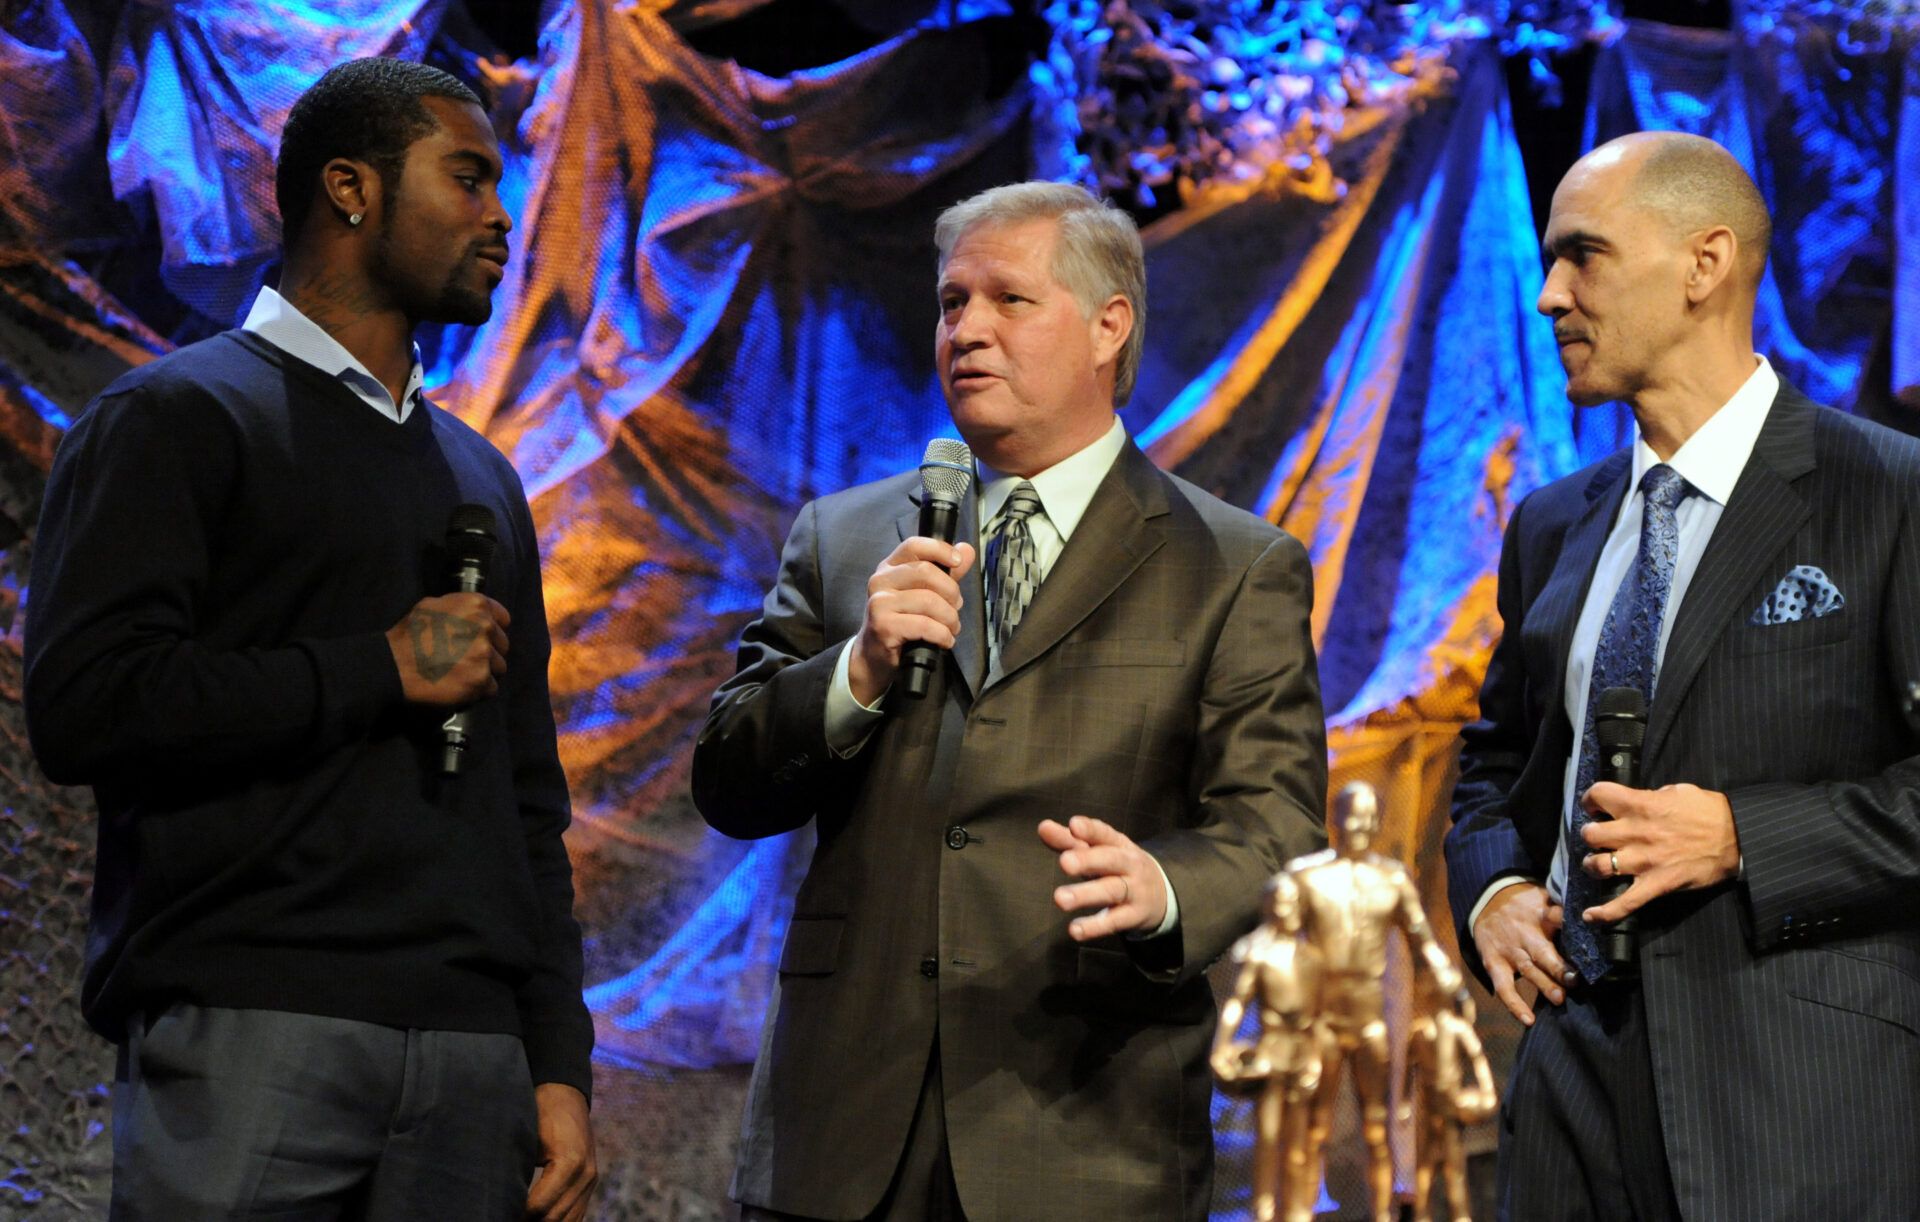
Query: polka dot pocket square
[1804, 593]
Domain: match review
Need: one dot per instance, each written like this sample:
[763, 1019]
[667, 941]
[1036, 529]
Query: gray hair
[1098, 255]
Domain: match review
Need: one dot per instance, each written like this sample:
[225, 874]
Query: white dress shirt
[1711, 462]
[276, 320]
[1065, 490]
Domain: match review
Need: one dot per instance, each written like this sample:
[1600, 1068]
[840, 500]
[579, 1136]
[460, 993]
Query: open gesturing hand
[1120, 879]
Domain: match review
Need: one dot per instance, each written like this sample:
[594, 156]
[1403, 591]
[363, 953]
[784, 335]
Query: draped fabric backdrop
[720, 304]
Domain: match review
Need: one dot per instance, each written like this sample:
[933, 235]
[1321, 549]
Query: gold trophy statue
[1280, 974]
[1449, 1086]
[1350, 901]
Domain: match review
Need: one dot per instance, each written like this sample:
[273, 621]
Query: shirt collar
[1065, 489]
[279, 322]
[1711, 460]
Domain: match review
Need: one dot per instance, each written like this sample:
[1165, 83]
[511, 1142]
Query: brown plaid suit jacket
[1163, 680]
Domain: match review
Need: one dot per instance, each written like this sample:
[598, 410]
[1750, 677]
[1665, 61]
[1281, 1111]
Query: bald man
[1750, 564]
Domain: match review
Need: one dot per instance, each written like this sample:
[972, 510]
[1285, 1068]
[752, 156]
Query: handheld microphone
[946, 472]
[470, 543]
[1620, 726]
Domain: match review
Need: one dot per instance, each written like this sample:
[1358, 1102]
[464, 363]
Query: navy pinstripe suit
[1782, 1011]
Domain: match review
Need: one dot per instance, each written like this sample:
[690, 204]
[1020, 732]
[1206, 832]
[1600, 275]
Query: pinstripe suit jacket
[1783, 1010]
[1164, 680]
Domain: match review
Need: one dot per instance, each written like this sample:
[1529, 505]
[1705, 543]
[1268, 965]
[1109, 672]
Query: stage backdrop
[721, 304]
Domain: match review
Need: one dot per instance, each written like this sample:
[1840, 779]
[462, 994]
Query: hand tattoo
[439, 641]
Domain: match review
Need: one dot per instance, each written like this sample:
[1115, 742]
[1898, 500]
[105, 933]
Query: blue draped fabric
[52, 185]
[196, 95]
[1831, 132]
[1394, 411]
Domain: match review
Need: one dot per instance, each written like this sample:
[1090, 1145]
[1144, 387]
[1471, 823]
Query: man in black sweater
[344, 983]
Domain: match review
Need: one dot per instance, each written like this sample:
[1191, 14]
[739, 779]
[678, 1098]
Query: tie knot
[1022, 503]
[1664, 488]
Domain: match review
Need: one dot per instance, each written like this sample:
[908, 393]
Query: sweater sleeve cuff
[560, 1049]
[356, 680]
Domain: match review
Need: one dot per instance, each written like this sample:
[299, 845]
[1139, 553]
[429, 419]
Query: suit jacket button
[957, 837]
[929, 967]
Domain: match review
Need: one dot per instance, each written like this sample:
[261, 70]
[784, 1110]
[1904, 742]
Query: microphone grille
[470, 532]
[1620, 719]
[946, 469]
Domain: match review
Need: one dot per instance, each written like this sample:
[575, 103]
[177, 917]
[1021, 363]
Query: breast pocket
[1123, 653]
[1809, 633]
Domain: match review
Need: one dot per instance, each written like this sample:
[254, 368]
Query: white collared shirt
[1065, 490]
[1711, 462]
[276, 320]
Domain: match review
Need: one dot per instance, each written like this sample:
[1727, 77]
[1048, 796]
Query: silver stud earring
[354, 219]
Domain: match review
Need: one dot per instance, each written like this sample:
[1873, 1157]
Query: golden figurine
[1350, 899]
[1280, 975]
[1449, 1086]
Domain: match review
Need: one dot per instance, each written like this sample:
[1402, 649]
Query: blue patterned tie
[1624, 657]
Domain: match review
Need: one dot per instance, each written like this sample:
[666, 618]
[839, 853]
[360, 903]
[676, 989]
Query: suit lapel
[1761, 515]
[1123, 525]
[969, 656]
[1565, 593]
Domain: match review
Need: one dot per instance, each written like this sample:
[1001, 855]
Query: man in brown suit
[1129, 700]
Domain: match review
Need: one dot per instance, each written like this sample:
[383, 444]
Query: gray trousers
[261, 1114]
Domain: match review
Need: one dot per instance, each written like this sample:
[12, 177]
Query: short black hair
[365, 109]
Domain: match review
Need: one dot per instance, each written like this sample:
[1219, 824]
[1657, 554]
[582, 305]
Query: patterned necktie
[1624, 657]
[1013, 565]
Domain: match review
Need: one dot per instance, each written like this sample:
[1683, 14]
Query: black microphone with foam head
[470, 544]
[1620, 727]
[946, 472]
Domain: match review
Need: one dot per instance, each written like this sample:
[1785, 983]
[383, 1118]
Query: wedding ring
[1615, 859]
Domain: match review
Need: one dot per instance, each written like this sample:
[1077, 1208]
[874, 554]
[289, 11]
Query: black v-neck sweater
[228, 534]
